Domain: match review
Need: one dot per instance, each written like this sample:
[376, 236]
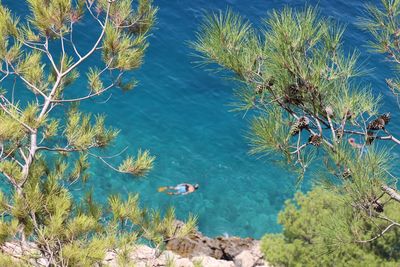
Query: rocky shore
[195, 251]
[219, 251]
[144, 256]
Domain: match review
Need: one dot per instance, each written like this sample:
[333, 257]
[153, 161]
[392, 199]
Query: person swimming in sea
[180, 189]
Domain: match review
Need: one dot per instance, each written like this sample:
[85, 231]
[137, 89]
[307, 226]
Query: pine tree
[300, 85]
[47, 142]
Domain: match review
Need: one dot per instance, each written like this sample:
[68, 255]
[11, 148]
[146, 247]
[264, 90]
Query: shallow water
[180, 113]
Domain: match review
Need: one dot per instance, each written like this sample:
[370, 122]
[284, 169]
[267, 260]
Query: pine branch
[17, 119]
[90, 95]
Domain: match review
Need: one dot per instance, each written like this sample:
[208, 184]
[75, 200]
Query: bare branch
[72, 41]
[63, 51]
[94, 46]
[29, 160]
[380, 234]
[56, 149]
[115, 155]
[50, 57]
[329, 113]
[105, 162]
[391, 192]
[389, 137]
[90, 95]
[33, 47]
[22, 154]
[89, 7]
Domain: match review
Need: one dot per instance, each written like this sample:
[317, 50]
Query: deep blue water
[180, 113]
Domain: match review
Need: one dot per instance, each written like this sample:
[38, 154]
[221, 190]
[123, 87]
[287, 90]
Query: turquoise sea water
[181, 114]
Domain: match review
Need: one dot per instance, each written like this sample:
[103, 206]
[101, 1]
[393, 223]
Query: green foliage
[150, 224]
[382, 21]
[95, 83]
[121, 51]
[8, 229]
[51, 128]
[32, 69]
[137, 21]
[11, 129]
[76, 253]
[361, 176]
[138, 166]
[297, 48]
[198, 263]
[11, 169]
[8, 27]
[313, 235]
[7, 260]
[50, 13]
[270, 133]
[382, 24]
[81, 165]
[170, 262]
[82, 135]
[295, 67]
[230, 41]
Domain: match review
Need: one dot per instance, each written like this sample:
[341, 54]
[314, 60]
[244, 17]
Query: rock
[195, 246]
[219, 251]
[184, 252]
[143, 253]
[166, 256]
[245, 259]
[225, 248]
[183, 262]
[232, 246]
[19, 250]
[250, 258]
[110, 259]
[211, 262]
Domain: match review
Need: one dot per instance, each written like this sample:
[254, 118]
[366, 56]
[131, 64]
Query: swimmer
[180, 189]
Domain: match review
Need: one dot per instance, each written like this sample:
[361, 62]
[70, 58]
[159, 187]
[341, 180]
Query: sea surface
[181, 113]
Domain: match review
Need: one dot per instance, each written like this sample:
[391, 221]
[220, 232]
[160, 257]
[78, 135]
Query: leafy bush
[314, 235]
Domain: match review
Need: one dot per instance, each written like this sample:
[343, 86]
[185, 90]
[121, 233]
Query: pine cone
[378, 206]
[346, 173]
[271, 82]
[259, 89]
[262, 87]
[299, 125]
[386, 118]
[369, 138]
[349, 115]
[315, 140]
[329, 111]
[380, 122]
[293, 95]
[339, 133]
